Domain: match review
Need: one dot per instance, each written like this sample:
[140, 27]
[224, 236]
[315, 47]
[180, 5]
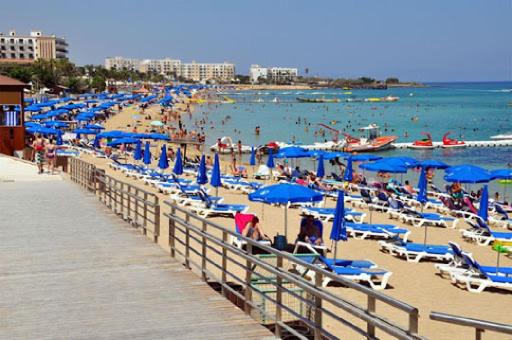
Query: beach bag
[280, 242]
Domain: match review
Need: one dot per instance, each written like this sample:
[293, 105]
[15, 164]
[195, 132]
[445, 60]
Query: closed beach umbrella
[320, 171]
[163, 162]
[483, 211]
[348, 176]
[215, 180]
[147, 154]
[59, 138]
[270, 160]
[137, 155]
[339, 230]
[178, 164]
[285, 194]
[252, 161]
[96, 142]
[422, 187]
[201, 173]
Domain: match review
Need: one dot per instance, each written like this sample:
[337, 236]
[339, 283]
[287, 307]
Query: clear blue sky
[434, 40]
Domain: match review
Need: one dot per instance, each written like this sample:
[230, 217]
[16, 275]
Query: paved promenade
[71, 270]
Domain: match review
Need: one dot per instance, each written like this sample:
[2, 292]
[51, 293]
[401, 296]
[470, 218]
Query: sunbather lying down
[248, 225]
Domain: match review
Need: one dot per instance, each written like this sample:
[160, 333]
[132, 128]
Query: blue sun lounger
[327, 214]
[483, 235]
[414, 252]
[210, 208]
[479, 278]
[385, 231]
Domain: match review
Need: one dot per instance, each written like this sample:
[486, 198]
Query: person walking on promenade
[51, 156]
[38, 154]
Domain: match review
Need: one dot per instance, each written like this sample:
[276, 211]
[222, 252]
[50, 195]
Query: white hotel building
[276, 75]
[29, 48]
[200, 72]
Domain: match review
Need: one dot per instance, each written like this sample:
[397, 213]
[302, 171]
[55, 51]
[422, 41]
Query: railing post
[318, 307]
[370, 329]
[156, 229]
[172, 232]
[187, 241]
[129, 204]
[136, 217]
[145, 207]
[224, 261]
[413, 322]
[203, 253]
[248, 281]
[279, 298]
[478, 333]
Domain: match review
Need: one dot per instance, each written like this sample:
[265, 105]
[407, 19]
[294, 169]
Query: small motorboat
[452, 143]
[505, 136]
[226, 145]
[373, 141]
[425, 143]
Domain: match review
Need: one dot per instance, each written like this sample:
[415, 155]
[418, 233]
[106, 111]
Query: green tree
[392, 80]
[98, 83]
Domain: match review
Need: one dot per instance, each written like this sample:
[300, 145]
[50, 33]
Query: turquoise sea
[472, 111]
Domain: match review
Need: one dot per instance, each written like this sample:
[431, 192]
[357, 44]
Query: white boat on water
[504, 136]
[227, 145]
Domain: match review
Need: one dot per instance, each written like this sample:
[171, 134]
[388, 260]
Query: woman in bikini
[51, 156]
[38, 154]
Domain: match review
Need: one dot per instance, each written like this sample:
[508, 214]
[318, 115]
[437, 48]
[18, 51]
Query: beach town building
[277, 75]
[29, 48]
[200, 72]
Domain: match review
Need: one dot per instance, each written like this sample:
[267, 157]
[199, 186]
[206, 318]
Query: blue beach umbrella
[502, 174]
[467, 174]
[137, 155]
[365, 158]
[406, 162]
[285, 193]
[163, 162]
[483, 211]
[422, 187]
[178, 163]
[432, 163]
[270, 160]
[147, 154]
[124, 140]
[381, 166]
[96, 142]
[201, 173]
[252, 161]
[320, 171]
[332, 155]
[215, 180]
[292, 152]
[59, 138]
[339, 230]
[348, 176]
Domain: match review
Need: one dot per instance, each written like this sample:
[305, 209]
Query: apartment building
[28, 48]
[277, 75]
[200, 72]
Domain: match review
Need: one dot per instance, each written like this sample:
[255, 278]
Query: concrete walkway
[70, 270]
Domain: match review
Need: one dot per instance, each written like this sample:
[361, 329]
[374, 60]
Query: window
[20, 41]
[31, 56]
[12, 41]
[22, 56]
[13, 55]
[22, 48]
[13, 48]
[10, 115]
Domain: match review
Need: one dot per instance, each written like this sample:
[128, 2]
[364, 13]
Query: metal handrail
[479, 325]
[367, 315]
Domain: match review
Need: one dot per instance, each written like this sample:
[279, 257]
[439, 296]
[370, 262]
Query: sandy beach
[415, 283]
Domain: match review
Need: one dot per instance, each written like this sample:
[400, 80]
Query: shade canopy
[467, 174]
[285, 193]
[432, 163]
[381, 166]
[292, 152]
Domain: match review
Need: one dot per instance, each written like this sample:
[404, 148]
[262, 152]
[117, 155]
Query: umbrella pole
[335, 251]
[286, 220]
[498, 262]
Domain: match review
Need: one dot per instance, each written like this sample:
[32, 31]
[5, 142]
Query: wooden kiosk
[12, 130]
